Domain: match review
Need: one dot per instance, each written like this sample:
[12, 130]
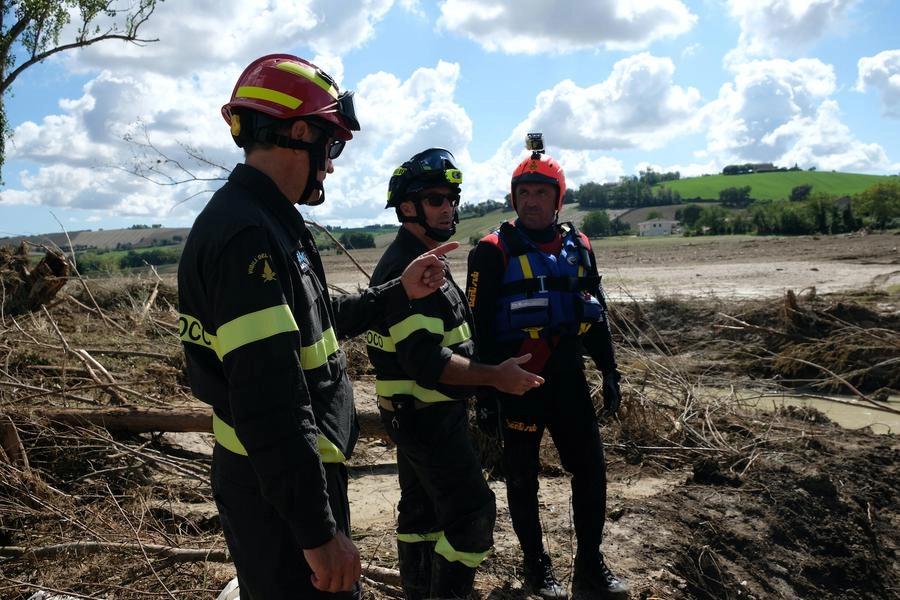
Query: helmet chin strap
[439, 235]
[316, 153]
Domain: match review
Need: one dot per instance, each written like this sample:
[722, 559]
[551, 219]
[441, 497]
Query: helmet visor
[346, 109]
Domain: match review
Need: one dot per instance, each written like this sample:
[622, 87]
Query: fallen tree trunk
[176, 419]
[173, 554]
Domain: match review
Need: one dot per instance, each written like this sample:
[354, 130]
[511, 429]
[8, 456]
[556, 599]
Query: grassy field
[777, 185]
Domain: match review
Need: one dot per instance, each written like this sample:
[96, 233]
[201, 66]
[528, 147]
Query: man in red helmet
[424, 376]
[260, 330]
[534, 288]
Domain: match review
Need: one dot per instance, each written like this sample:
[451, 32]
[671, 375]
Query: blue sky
[615, 86]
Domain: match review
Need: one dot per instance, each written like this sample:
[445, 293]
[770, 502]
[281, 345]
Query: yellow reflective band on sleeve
[255, 326]
[228, 439]
[226, 436]
[470, 559]
[400, 331]
[316, 355]
[413, 538]
[526, 266]
[380, 342]
[192, 332]
[250, 91]
[457, 335]
[310, 74]
[408, 387]
[328, 452]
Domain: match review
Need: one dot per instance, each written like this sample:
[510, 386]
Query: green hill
[775, 185]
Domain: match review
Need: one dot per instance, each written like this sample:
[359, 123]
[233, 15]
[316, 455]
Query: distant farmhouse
[657, 227]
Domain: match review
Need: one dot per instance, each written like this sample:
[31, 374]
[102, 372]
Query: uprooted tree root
[762, 504]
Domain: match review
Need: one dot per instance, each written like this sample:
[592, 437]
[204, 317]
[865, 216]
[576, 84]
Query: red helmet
[283, 86]
[540, 168]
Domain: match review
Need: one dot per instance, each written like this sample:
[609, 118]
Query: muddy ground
[715, 491]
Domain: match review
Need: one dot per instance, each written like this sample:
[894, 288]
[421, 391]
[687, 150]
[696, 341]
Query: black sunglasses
[334, 148]
[436, 200]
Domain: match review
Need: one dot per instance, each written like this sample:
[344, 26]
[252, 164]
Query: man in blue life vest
[534, 288]
[424, 376]
[260, 329]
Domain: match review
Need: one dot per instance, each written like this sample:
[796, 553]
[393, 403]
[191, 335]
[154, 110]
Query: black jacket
[410, 349]
[260, 331]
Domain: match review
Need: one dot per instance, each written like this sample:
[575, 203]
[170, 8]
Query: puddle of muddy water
[846, 411]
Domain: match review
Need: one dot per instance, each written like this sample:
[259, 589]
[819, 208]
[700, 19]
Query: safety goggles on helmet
[430, 168]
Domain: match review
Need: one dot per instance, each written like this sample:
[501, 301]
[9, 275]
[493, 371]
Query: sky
[115, 135]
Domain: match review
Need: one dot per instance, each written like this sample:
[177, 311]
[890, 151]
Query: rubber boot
[593, 580]
[415, 568]
[450, 579]
[539, 577]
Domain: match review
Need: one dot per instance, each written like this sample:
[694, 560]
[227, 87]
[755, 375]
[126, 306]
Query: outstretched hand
[513, 379]
[426, 274]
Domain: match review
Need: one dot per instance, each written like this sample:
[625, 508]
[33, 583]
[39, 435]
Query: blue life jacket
[544, 295]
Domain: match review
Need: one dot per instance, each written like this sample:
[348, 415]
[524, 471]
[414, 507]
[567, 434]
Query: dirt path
[722, 266]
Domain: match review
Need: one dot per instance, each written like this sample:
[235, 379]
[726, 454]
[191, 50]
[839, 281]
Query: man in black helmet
[260, 332]
[425, 373]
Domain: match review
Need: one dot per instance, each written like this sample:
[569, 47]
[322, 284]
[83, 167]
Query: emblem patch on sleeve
[261, 265]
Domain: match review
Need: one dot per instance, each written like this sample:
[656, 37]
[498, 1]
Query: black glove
[612, 395]
[487, 413]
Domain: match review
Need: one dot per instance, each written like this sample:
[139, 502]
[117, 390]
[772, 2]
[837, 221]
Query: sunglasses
[333, 148]
[437, 200]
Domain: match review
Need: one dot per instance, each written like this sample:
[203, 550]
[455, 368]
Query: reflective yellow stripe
[226, 436]
[408, 387]
[228, 439]
[316, 355]
[457, 336]
[192, 332]
[413, 538]
[386, 343]
[526, 266]
[402, 330]
[307, 73]
[255, 326]
[380, 342]
[328, 451]
[470, 559]
[251, 91]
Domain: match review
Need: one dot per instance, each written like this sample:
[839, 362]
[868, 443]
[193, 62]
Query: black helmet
[429, 168]
[434, 167]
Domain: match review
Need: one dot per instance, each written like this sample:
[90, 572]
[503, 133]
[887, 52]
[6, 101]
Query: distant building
[656, 227]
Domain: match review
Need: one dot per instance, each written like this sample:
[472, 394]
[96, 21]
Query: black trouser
[441, 484]
[269, 562]
[563, 406]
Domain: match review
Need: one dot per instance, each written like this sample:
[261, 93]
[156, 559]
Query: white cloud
[223, 33]
[539, 26]
[637, 106]
[780, 111]
[399, 118]
[786, 27]
[882, 72]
